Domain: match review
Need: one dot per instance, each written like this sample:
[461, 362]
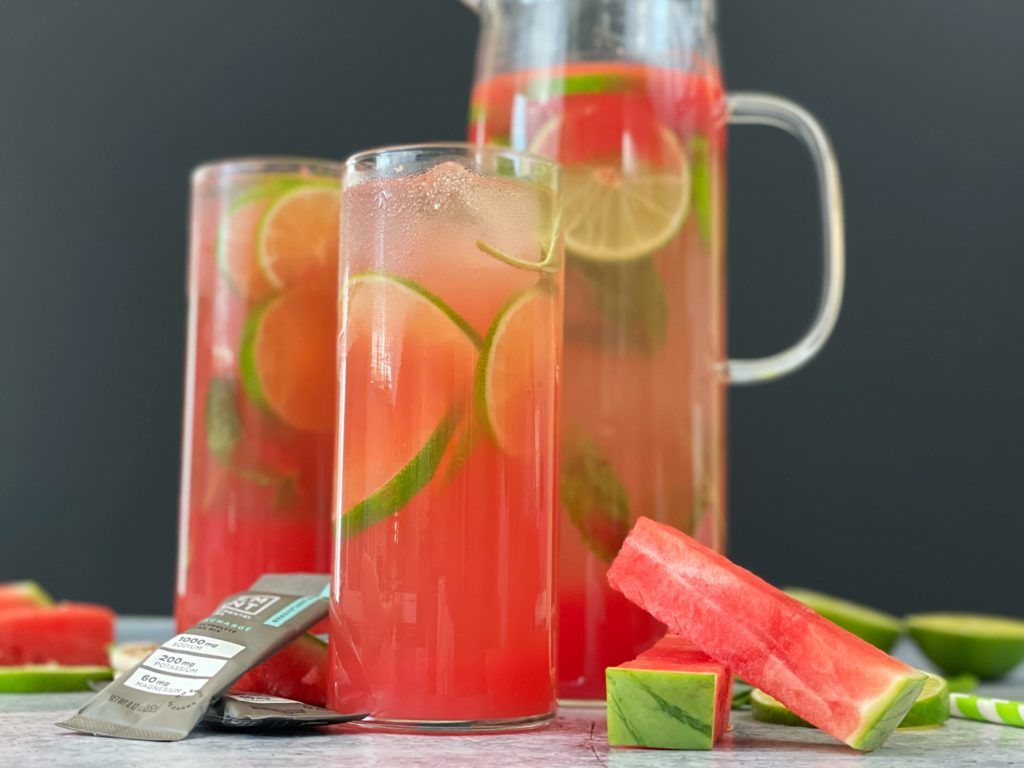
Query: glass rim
[262, 163]
[455, 146]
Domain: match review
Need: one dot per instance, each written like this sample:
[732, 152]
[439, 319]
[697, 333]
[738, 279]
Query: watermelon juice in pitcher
[628, 97]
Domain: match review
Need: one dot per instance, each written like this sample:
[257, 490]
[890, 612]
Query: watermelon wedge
[72, 634]
[23, 594]
[831, 678]
[298, 671]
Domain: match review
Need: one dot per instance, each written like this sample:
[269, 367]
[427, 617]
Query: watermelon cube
[831, 678]
[298, 671]
[662, 704]
[72, 634]
[679, 650]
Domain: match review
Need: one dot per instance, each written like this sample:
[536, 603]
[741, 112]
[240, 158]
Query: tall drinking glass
[446, 496]
[258, 443]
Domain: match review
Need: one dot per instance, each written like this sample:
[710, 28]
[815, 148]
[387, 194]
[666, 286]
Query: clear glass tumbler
[260, 413]
[451, 318]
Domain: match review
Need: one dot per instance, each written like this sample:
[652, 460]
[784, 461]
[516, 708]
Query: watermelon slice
[298, 671]
[23, 594]
[73, 634]
[664, 704]
[831, 678]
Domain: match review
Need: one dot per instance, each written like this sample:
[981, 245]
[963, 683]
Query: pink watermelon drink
[259, 422]
[831, 678]
[449, 354]
[643, 425]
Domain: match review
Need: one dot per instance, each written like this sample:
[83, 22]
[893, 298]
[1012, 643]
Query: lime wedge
[957, 643]
[617, 213]
[401, 435]
[516, 366]
[124, 656]
[878, 628]
[931, 707]
[42, 678]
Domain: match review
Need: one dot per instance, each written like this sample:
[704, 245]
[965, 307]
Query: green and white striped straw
[987, 710]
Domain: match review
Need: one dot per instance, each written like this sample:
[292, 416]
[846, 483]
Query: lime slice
[614, 213]
[124, 656]
[287, 357]
[516, 371]
[986, 646]
[703, 192]
[931, 707]
[402, 433]
[878, 628]
[552, 86]
[42, 678]
[298, 236]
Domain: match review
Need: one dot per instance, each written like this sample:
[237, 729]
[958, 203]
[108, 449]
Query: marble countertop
[29, 738]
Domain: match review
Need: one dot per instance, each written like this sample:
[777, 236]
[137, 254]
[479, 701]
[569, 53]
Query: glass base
[456, 726]
[582, 703]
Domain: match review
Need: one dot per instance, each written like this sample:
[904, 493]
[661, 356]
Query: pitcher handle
[766, 109]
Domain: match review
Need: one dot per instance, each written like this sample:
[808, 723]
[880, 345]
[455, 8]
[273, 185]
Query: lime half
[615, 212]
[878, 628]
[42, 678]
[930, 709]
[516, 366]
[958, 643]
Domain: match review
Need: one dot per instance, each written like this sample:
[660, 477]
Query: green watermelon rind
[666, 724]
[878, 722]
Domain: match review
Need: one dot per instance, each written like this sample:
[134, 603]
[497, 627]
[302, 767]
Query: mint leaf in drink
[630, 297]
[595, 499]
[223, 425]
[224, 433]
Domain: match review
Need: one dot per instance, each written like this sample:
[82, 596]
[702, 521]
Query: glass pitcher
[627, 95]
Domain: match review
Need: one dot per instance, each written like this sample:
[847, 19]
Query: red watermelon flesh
[298, 671]
[671, 646]
[831, 678]
[66, 633]
[22, 594]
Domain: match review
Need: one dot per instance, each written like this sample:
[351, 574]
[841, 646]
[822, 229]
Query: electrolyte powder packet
[169, 692]
[257, 712]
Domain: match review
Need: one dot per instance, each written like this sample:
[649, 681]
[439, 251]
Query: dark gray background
[888, 471]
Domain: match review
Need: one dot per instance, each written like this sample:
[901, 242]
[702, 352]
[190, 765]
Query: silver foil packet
[258, 712]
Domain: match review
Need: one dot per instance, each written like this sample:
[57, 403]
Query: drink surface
[260, 410]
[446, 504]
[643, 423]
